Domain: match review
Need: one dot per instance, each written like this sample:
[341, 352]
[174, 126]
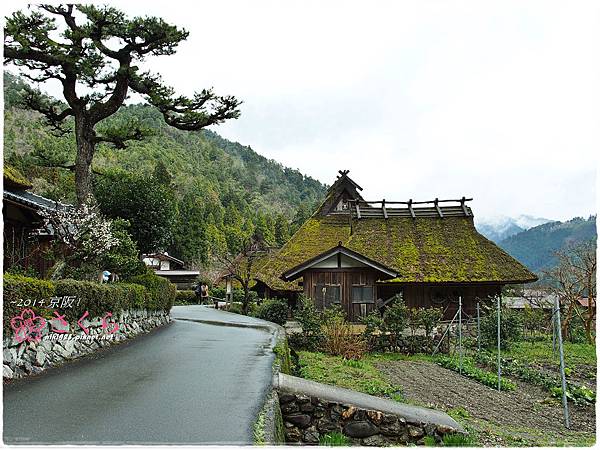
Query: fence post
[459, 334]
[478, 331]
[499, 368]
[562, 362]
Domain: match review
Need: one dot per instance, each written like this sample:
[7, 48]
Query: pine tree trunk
[85, 139]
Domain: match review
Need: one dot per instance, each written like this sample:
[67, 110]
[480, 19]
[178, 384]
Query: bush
[340, 340]
[185, 297]
[149, 291]
[275, 310]
[161, 292]
[20, 292]
[510, 328]
[395, 317]
[309, 318]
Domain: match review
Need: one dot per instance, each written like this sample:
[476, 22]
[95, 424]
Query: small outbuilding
[172, 269]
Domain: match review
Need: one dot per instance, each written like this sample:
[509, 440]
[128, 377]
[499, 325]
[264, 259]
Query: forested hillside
[536, 247]
[218, 190]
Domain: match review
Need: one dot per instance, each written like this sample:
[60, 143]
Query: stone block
[360, 429]
[299, 420]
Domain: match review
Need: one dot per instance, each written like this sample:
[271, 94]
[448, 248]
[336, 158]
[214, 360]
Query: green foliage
[161, 292]
[457, 440]
[334, 439]
[185, 298]
[274, 310]
[578, 394]
[310, 319]
[95, 298]
[21, 288]
[395, 318]
[429, 318]
[221, 188]
[123, 258]
[148, 206]
[475, 373]
[510, 328]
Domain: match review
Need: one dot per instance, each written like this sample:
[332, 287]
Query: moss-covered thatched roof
[14, 178]
[422, 250]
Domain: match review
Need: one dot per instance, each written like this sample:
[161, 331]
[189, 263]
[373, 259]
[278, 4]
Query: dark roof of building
[426, 248]
[31, 200]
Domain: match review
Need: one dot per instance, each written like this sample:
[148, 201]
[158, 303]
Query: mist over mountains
[535, 245]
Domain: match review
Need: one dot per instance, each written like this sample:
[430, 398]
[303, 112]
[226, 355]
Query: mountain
[499, 228]
[228, 187]
[536, 247]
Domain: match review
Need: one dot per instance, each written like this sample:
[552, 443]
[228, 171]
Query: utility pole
[499, 368]
[478, 331]
[459, 334]
[562, 360]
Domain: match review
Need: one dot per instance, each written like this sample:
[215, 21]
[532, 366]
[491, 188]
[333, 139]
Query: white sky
[499, 100]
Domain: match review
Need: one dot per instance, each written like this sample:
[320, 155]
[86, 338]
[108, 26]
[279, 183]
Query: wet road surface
[186, 383]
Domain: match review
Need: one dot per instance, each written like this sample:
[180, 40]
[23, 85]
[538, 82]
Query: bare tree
[242, 266]
[573, 278]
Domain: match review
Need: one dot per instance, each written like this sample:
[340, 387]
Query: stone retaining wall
[31, 358]
[307, 418]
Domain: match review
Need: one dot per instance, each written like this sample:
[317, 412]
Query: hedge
[145, 291]
[186, 297]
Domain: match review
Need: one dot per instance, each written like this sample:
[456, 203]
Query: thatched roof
[425, 249]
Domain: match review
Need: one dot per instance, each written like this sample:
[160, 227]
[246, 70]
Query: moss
[430, 250]
[14, 178]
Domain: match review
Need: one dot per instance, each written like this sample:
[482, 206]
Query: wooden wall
[345, 279]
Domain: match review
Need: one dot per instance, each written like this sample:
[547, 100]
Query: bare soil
[527, 407]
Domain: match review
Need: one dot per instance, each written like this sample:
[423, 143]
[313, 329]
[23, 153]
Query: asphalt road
[186, 383]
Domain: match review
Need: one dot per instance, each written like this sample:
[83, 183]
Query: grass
[541, 352]
[334, 440]
[360, 375]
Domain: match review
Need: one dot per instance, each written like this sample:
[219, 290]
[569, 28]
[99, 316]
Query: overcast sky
[419, 99]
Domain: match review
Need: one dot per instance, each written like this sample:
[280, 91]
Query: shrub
[310, 320]
[510, 328]
[26, 291]
[395, 317]
[149, 291]
[161, 292]
[340, 340]
[185, 297]
[274, 310]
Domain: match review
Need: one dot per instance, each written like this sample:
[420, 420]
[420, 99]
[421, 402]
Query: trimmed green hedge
[145, 291]
[186, 298]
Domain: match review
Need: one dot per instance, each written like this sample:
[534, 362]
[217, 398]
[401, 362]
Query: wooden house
[360, 253]
[26, 240]
[172, 269]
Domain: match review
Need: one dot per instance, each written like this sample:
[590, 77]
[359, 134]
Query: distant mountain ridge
[501, 227]
[536, 247]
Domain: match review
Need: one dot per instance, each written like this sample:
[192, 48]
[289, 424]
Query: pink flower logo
[28, 326]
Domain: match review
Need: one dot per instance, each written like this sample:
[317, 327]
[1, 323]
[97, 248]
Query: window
[327, 294]
[362, 294]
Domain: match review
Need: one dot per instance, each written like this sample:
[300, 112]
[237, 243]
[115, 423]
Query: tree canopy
[98, 48]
